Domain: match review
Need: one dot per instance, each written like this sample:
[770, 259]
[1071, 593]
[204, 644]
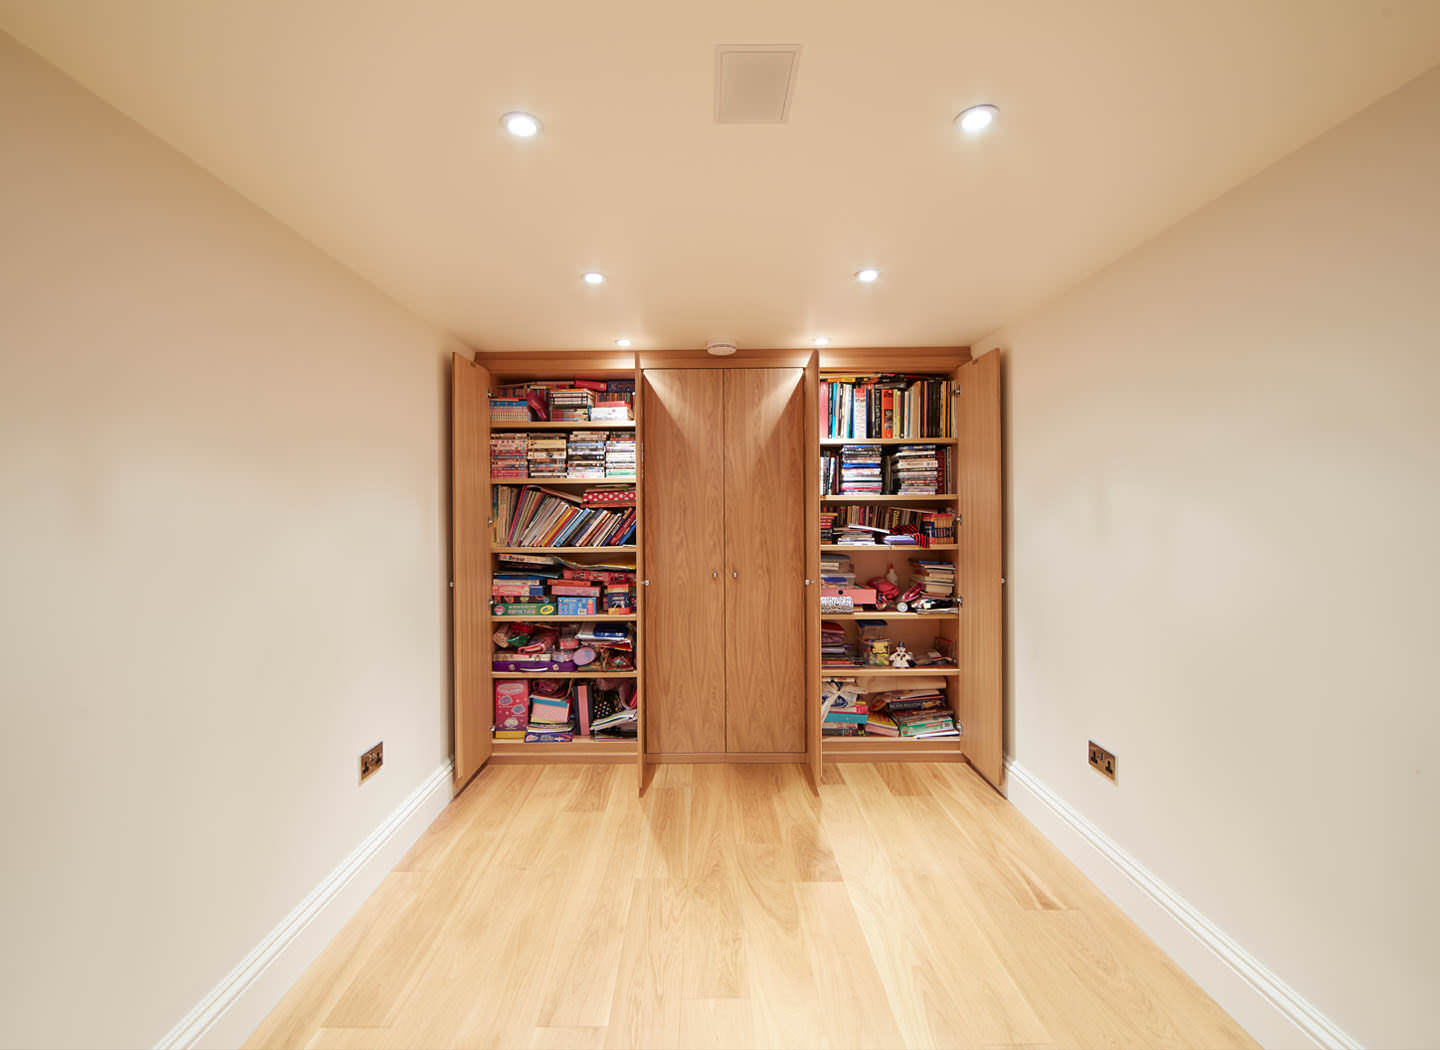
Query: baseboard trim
[232, 1003]
[1272, 1011]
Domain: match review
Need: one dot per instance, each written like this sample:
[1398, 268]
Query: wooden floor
[907, 905]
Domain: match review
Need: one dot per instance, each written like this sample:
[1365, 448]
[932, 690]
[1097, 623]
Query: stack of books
[916, 470]
[836, 650]
[620, 455]
[860, 535]
[878, 723]
[572, 404]
[529, 516]
[545, 455]
[836, 570]
[860, 470]
[508, 454]
[937, 578]
[509, 410]
[585, 454]
[827, 526]
[843, 710]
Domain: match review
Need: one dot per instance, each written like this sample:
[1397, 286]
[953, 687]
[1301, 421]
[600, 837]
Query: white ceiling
[372, 128]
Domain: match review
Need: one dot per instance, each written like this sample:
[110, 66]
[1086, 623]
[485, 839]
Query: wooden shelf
[948, 614]
[892, 749]
[618, 617]
[939, 497]
[628, 424]
[868, 672]
[581, 749]
[564, 674]
[628, 483]
[563, 550]
[837, 442]
[847, 547]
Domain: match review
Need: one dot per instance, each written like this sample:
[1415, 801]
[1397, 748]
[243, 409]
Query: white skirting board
[235, 1007]
[1274, 1014]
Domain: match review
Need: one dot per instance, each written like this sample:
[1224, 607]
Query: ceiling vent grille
[754, 82]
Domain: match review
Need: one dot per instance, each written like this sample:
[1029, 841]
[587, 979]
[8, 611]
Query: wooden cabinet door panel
[764, 452]
[980, 536]
[684, 548]
[474, 702]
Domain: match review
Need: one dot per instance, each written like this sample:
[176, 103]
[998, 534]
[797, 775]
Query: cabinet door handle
[714, 574]
[734, 575]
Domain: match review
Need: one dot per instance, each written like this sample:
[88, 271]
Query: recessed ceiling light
[869, 275]
[521, 125]
[594, 278]
[622, 342]
[821, 340]
[976, 118]
[720, 347]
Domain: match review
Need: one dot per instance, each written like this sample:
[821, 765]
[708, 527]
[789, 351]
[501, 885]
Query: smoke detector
[754, 82]
[720, 347]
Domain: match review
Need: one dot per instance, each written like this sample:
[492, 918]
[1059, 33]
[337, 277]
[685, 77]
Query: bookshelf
[488, 559]
[971, 686]
[949, 426]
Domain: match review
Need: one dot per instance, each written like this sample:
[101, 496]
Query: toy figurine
[901, 658]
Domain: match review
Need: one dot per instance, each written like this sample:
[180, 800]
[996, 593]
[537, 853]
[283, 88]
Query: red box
[512, 703]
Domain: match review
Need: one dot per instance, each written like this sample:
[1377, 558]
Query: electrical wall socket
[1102, 761]
[372, 760]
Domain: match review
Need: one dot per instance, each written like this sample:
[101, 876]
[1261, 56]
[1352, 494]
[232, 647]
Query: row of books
[530, 516]
[895, 526]
[888, 406]
[549, 710]
[848, 709]
[540, 585]
[526, 646]
[565, 400]
[580, 454]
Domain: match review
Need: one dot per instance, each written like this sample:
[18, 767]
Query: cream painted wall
[222, 568]
[1224, 489]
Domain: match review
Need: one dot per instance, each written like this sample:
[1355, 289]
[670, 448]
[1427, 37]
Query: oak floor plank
[890, 905]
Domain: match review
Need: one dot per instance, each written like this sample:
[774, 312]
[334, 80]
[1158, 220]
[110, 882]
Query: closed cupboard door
[684, 549]
[764, 456]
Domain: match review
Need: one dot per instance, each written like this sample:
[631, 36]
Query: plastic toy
[901, 658]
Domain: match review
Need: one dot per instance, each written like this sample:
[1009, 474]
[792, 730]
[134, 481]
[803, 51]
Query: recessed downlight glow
[521, 125]
[593, 278]
[622, 343]
[868, 275]
[976, 118]
[821, 340]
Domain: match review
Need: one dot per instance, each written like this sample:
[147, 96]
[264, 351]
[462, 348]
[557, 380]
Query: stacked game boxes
[545, 455]
[540, 585]
[509, 454]
[585, 454]
[620, 455]
[571, 404]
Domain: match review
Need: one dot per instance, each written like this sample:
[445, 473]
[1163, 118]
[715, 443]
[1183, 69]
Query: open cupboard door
[977, 426]
[812, 569]
[470, 564]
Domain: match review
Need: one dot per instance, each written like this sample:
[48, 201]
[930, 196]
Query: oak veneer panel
[470, 557]
[683, 490]
[812, 568]
[765, 450]
[981, 648]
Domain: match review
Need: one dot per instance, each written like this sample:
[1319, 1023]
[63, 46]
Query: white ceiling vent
[754, 82]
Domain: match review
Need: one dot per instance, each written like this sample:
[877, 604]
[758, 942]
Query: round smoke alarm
[720, 347]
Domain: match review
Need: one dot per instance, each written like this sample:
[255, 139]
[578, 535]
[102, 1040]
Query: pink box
[512, 704]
